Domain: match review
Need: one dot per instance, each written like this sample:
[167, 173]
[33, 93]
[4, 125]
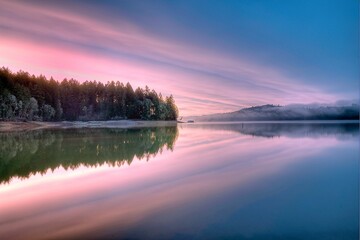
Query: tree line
[28, 97]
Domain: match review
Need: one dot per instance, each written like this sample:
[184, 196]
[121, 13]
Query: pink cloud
[73, 45]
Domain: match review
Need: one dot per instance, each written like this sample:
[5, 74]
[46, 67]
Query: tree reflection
[25, 153]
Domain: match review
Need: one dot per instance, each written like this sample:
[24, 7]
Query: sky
[213, 56]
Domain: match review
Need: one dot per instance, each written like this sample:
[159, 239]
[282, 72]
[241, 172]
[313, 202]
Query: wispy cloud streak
[64, 43]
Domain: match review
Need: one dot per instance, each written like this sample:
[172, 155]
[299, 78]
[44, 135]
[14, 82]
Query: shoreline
[13, 126]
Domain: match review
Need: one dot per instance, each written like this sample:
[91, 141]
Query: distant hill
[283, 113]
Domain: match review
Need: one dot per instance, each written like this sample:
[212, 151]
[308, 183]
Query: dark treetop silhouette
[28, 97]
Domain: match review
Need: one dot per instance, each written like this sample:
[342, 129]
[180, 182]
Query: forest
[25, 97]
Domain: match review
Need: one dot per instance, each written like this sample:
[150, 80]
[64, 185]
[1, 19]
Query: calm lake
[194, 181]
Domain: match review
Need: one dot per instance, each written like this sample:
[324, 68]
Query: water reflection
[217, 183]
[26, 153]
[288, 129]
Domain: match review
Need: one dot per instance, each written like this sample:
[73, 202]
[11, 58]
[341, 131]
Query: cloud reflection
[206, 180]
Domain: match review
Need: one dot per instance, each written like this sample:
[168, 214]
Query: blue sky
[213, 56]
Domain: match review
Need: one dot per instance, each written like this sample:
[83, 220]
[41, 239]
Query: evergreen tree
[28, 97]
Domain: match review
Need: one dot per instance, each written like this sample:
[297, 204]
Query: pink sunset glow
[42, 39]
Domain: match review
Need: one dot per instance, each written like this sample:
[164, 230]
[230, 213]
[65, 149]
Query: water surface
[194, 181]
